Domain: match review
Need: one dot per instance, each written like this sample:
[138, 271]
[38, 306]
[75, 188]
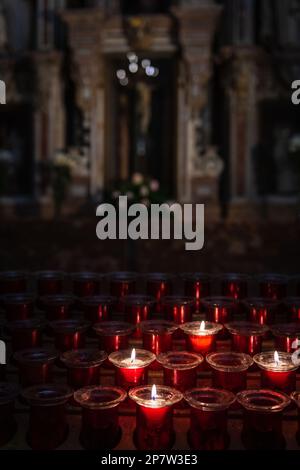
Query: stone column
[88, 74]
[197, 23]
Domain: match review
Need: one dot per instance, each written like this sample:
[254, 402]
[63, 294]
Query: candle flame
[276, 358]
[202, 326]
[133, 356]
[153, 392]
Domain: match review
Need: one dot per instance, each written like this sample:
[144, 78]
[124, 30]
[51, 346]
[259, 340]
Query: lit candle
[197, 285]
[208, 418]
[100, 427]
[278, 371]
[48, 427]
[154, 417]
[180, 368]
[201, 336]
[8, 425]
[246, 337]
[262, 420]
[229, 370]
[287, 336]
[113, 335]
[261, 310]
[131, 366]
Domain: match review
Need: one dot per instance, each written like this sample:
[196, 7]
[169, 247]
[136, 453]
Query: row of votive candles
[100, 427]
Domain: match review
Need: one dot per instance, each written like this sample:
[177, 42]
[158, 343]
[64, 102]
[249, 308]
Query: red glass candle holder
[234, 285]
[158, 335]
[98, 308]
[278, 370]
[262, 421]
[246, 337]
[261, 310]
[208, 418]
[48, 426]
[122, 283]
[35, 366]
[58, 307]
[26, 334]
[159, 285]
[273, 286]
[179, 309]
[13, 282]
[296, 399]
[180, 369]
[198, 286]
[113, 335]
[291, 307]
[49, 282]
[229, 370]
[8, 425]
[154, 416]
[100, 427]
[69, 334]
[219, 310]
[137, 308]
[83, 367]
[18, 306]
[86, 284]
[287, 337]
[201, 336]
[131, 367]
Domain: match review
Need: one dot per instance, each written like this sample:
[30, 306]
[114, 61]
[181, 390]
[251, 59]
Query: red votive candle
[273, 286]
[131, 366]
[86, 283]
[278, 370]
[291, 307]
[18, 306]
[58, 307]
[69, 334]
[48, 426]
[26, 333]
[49, 282]
[229, 370]
[180, 369]
[8, 425]
[35, 366]
[219, 310]
[198, 286]
[262, 420]
[178, 309]
[159, 285]
[261, 310]
[113, 335]
[208, 418]
[234, 285]
[122, 283]
[154, 416]
[200, 336]
[246, 337]
[137, 308]
[13, 282]
[296, 398]
[158, 335]
[98, 308]
[83, 367]
[287, 337]
[100, 427]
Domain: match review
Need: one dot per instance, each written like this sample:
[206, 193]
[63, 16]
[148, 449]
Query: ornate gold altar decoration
[138, 32]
